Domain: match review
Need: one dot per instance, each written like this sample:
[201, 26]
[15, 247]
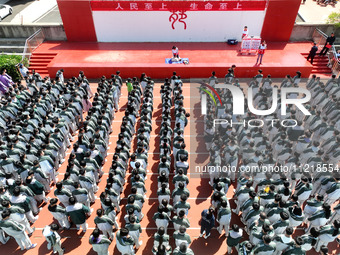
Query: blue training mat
[168, 61]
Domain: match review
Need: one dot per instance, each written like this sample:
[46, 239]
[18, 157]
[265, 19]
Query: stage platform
[97, 59]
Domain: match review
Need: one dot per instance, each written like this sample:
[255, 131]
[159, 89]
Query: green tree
[9, 62]
[334, 18]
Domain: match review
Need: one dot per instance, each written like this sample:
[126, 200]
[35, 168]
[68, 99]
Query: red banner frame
[178, 5]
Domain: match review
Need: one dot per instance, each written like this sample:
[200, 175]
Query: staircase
[319, 64]
[39, 62]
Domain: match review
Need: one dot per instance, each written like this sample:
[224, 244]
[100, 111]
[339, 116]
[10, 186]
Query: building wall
[51, 32]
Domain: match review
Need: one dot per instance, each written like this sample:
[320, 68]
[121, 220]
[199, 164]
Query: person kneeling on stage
[175, 52]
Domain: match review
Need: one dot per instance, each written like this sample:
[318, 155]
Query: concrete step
[11, 53]
[14, 49]
[12, 41]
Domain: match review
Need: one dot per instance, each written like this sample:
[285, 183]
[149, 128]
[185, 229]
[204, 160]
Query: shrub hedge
[9, 62]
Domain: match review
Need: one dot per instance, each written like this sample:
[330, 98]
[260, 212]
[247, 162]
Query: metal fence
[32, 43]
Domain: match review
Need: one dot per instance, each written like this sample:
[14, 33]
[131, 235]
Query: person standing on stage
[312, 53]
[175, 52]
[245, 32]
[329, 42]
[261, 51]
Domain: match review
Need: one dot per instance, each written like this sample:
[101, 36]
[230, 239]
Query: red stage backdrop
[195, 21]
[280, 18]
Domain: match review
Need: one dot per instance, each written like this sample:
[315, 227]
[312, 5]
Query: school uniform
[265, 249]
[17, 231]
[82, 197]
[179, 206]
[63, 196]
[181, 238]
[335, 215]
[233, 239]
[136, 210]
[53, 240]
[163, 195]
[38, 190]
[24, 203]
[296, 218]
[307, 242]
[326, 236]
[303, 192]
[280, 226]
[18, 215]
[161, 222]
[178, 252]
[100, 245]
[176, 194]
[59, 213]
[317, 219]
[77, 214]
[124, 244]
[89, 184]
[178, 222]
[165, 241]
[104, 224]
[135, 230]
[333, 193]
[223, 218]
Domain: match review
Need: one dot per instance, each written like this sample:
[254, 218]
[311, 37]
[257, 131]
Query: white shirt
[175, 51]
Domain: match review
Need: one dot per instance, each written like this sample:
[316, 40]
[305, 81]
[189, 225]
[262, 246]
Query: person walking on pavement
[312, 53]
[207, 222]
[100, 243]
[53, 238]
[16, 230]
[234, 237]
[78, 213]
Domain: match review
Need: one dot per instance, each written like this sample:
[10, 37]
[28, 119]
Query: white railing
[319, 37]
[32, 43]
[333, 61]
